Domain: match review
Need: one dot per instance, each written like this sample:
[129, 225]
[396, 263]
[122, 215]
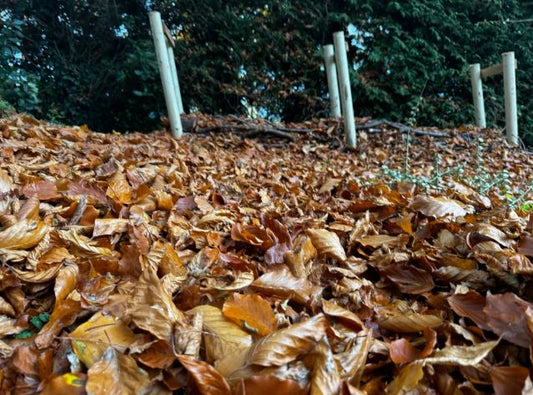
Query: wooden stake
[175, 80]
[477, 94]
[509, 84]
[158, 36]
[333, 85]
[345, 89]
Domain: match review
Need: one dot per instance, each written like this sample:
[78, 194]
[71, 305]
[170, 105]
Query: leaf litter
[222, 263]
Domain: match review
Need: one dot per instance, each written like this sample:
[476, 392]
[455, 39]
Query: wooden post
[477, 94]
[175, 80]
[333, 85]
[509, 84]
[158, 36]
[345, 89]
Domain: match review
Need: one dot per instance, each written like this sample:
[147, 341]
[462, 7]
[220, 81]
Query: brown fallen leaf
[116, 373]
[406, 380]
[205, 377]
[402, 351]
[439, 207]
[460, 355]
[282, 283]
[26, 233]
[225, 342]
[269, 384]
[409, 322]
[507, 380]
[119, 189]
[151, 308]
[327, 243]
[287, 344]
[68, 383]
[325, 375]
[251, 312]
[409, 279]
[91, 339]
[506, 317]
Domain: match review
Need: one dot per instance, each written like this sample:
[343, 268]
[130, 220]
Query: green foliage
[423, 48]
[40, 320]
[93, 62]
[19, 88]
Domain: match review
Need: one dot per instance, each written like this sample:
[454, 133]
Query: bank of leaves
[223, 264]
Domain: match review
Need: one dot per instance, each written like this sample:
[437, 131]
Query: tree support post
[509, 84]
[477, 94]
[345, 90]
[175, 80]
[333, 85]
[162, 53]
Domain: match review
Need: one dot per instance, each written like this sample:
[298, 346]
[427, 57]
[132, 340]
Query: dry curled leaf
[287, 344]
[327, 243]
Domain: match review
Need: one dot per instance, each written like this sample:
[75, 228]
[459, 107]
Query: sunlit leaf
[287, 344]
[6, 182]
[151, 308]
[438, 206]
[327, 243]
[325, 376]
[406, 380]
[68, 383]
[92, 338]
[119, 188]
[84, 244]
[225, 342]
[460, 355]
[116, 373]
[282, 283]
[109, 226]
[251, 312]
[409, 322]
[24, 234]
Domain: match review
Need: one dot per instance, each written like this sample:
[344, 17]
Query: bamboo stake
[477, 95]
[333, 85]
[509, 84]
[346, 92]
[156, 26]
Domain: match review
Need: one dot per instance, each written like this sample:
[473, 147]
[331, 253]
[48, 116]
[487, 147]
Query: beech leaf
[287, 344]
[327, 243]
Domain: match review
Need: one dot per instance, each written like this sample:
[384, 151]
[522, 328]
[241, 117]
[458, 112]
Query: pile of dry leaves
[228, 263]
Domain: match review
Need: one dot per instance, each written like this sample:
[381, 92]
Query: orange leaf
[207, 378]
[269, 384]
[401, 351]
[252, 312]
[116, 373]
[119, 188]
[24, 234]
